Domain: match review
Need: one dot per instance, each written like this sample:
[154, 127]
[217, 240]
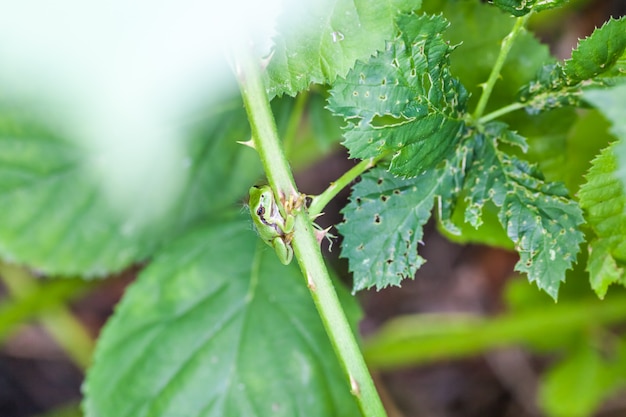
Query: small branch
[306, 247]
[320, 201]
[47, 302]
[507, 44]
[500, 112]
[418, 339]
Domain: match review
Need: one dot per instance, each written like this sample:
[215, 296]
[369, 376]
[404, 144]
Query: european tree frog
[275, 230]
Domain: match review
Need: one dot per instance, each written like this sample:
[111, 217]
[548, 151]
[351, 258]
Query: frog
[274, 229]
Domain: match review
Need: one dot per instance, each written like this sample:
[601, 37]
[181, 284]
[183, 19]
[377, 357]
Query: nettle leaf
[383, 226]
[604, 201]
[404, 100]
[596, 62]
[57, 217]
[318, 41]
[216, 326]
[522, 7]
[538, 217]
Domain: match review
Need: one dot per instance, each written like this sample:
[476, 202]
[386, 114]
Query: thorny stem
[305, 244]
[320, 201]
[507, 44]
[500, 112]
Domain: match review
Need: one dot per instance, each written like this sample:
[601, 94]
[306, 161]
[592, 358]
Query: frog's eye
[260, 211]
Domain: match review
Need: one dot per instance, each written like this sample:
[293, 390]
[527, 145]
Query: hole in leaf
[396, 192]
[355, 93]
[389, 261]
[388, 120]
[377, 219]
[384, 198]
[360, 247]
[383, 81]
[379, 181]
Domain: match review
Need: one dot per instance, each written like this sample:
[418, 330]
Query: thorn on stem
[249, 143]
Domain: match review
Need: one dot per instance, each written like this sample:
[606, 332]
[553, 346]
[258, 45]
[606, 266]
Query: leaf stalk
[320, 201]
[507, 44]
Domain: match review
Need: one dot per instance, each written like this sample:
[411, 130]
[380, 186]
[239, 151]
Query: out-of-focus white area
[121, 76]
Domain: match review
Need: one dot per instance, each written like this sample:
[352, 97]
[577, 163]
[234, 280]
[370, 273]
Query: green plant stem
[507, 44]
[56, 318]
[413, 340]
[500, 112]
[320, 201]
[305, 244]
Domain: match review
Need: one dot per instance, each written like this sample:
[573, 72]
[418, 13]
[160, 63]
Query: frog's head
[261, 199]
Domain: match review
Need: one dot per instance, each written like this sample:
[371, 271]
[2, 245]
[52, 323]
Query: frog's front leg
[284, 251]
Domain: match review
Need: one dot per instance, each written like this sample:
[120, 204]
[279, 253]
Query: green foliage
[522, 7]
[597, 61]
[602, 197]
[383, 226]
[51, 195]
[538, 217]
[402, 97]
[318, 41]
[216, 326]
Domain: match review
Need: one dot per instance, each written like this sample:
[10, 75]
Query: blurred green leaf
[577, 386]
[57, 217]
[603, 199]
[318, 41]
[216, 326]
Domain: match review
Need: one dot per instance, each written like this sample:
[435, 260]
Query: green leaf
[384, 220]
[604, 201]
[404, 100]
[577, 386]
[58, 217]
[318, 41]
[596, 62]
[538, 217]
[216, 326]
[598, 53]
[522, 7]
[383, 226]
